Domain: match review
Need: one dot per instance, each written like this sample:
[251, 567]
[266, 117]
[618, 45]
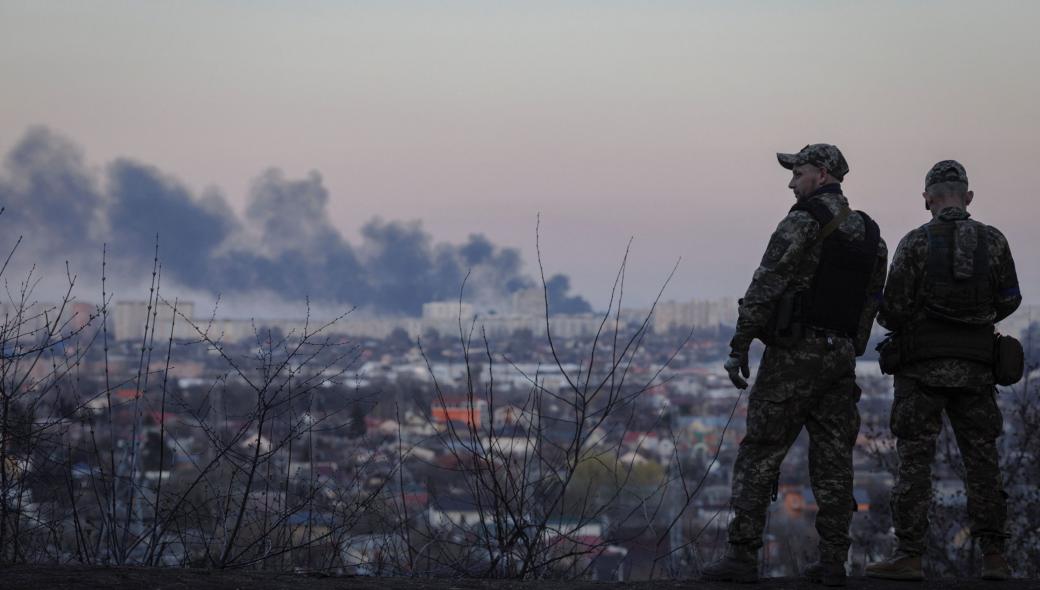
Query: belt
[825, 333]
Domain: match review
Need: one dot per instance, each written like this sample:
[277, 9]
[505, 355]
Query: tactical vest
[838, 293]
[946, 297]
[958, 312]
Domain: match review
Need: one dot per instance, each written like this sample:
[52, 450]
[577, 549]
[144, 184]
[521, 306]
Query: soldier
[951, 280]
[812, 300]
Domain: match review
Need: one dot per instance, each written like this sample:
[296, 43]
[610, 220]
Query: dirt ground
[130, 578]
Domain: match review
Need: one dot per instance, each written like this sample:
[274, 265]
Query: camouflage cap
[946, 171]
[822, 155]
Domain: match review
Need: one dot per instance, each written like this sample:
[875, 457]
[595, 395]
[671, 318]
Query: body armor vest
[958, 310]
[963, 300]
[838, 293]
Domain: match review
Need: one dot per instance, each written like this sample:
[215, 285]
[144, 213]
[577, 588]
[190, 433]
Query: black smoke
[558, 287]
[50, 197]
[143, 204]
[283, 245]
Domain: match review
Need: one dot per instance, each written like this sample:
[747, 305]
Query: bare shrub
[108, 457]
[105, 460]
[545, 482]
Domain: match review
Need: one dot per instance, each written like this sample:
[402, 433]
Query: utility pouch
[1008, 360]
[784, 330]
[890, 357]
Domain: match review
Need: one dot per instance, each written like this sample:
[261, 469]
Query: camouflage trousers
[811, 385]
[916, 423]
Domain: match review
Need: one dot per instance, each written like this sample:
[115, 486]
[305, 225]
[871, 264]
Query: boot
[995, 567]
[900, 566]
[739, 565]
[826, 573]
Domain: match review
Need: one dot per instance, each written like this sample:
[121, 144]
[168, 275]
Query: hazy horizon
[612, 120]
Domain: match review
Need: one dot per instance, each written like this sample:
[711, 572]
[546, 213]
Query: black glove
[737, 365]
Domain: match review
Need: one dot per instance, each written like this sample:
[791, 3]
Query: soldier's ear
[967, 197]
[925, 195]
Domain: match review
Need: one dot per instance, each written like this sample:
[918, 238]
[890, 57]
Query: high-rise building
[129, 319]
[696, 313]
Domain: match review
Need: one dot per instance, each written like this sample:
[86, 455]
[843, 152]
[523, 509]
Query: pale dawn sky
[657, 120]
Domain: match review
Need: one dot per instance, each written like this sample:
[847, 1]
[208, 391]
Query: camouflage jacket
[903, 300]
[789, 264]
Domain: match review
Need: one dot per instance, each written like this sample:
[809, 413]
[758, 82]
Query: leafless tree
[550, 490]
[106, 459]
[86, 466]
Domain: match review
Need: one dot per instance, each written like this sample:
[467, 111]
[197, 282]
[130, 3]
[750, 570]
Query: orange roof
[127, 393]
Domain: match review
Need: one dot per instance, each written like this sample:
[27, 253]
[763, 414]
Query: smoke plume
[282, 246]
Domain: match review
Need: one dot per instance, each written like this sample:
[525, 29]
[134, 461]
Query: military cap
[821, 155]
[946, 171]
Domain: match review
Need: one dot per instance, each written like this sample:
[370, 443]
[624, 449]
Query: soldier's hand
[737, 365]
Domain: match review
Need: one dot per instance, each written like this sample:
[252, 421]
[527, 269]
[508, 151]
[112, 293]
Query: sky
[656, 121]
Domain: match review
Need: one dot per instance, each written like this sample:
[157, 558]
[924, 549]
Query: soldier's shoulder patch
[778, 245]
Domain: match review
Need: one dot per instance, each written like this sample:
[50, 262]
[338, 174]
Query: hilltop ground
[130, 578]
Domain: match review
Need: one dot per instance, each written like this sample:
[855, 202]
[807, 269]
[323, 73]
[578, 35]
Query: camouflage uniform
[809, 384]
[963, 389]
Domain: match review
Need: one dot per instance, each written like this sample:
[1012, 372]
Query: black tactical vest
[966, 300]
[838, 294]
